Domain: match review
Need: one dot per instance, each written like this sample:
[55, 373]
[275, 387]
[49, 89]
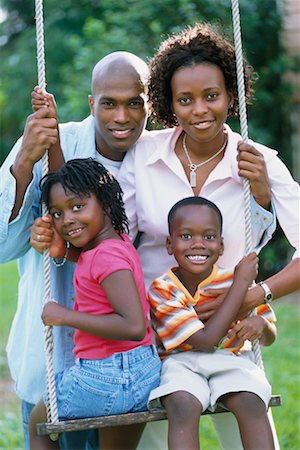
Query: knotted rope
[244, 133]
[52, 413]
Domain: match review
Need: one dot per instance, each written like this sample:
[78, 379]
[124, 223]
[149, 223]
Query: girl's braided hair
[194, 45]
[84, 177]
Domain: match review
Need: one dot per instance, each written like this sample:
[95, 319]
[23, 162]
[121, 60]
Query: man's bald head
[118, 62]
[119, 103]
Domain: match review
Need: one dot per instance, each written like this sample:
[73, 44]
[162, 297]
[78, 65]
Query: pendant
[193, 179]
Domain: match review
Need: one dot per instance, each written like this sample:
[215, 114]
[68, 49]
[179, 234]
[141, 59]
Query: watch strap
[268, 294]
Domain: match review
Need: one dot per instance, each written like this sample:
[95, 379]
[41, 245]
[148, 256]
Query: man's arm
[39, 134]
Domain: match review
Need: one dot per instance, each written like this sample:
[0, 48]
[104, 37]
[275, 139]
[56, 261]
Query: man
[118, 116]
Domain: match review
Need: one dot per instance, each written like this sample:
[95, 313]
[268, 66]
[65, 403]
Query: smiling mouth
[74, 232]
[203, 125]
[122, 133]
[197, 258]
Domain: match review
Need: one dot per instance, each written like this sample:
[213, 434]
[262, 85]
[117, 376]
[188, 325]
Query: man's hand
[39, 134]
[40, 99]
[43, 235]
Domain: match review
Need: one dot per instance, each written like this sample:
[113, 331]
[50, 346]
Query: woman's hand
[250, 328]
[214, 298]
[43, 235]
[252, 165]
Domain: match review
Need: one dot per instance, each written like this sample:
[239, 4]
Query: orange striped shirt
[174, 318]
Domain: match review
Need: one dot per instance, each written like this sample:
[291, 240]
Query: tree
[79, 32]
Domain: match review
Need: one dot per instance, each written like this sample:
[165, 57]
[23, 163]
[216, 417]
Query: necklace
[193, 167]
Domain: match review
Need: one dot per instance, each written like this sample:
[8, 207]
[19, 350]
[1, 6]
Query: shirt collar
[200, 286]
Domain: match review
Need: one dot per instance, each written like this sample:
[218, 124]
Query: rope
[244, 133]
[52, 413]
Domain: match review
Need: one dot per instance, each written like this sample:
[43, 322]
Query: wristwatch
[268, 294]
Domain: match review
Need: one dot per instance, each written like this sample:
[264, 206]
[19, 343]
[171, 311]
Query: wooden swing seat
[120, 419]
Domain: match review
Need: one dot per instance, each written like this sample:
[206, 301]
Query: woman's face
[200, 101]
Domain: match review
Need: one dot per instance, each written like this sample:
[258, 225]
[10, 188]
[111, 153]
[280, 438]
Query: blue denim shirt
[25, 348]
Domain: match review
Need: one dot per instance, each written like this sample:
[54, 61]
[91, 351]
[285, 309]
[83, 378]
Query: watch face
[269, 297]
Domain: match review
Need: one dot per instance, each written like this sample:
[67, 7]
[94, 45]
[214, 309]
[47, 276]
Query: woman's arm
[282, 283]
[255, 327]
[217, 326]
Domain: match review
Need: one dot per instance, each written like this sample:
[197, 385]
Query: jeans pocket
[91, 398]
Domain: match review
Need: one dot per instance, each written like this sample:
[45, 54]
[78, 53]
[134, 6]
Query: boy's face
[195, 240]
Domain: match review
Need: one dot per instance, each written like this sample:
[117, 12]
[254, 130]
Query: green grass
[281, 362]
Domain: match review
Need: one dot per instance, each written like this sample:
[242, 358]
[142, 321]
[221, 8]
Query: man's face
[119, 105]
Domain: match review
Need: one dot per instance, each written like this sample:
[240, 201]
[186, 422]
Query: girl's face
[200, 102]
[79, 220]
[195, 241]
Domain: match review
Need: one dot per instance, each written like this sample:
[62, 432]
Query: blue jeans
[118, 384]
[79, 440]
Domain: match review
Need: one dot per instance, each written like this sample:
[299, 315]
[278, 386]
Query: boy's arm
[217, 326]
[39, 134]
[177, 323]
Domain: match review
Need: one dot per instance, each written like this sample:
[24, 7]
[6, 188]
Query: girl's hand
[43, 235]
[252, 165]
[40, 99]
[54, 314]
[250, 328]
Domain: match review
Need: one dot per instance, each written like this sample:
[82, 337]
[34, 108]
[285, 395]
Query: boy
[200, 366]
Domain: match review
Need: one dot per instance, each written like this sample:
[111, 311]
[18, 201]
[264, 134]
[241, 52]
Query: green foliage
[79, 33]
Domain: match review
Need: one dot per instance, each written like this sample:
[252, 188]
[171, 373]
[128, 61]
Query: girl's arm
[127, 322]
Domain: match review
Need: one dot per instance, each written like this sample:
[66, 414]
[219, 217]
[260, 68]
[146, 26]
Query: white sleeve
[286, 201]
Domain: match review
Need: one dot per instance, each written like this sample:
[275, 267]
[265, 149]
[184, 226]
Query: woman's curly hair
[87, 176]
[194, 45]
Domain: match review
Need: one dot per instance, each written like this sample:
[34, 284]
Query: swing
[53, 427]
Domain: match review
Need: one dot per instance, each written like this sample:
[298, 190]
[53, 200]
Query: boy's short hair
[193, 201]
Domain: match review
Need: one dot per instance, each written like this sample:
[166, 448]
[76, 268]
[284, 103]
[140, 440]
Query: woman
[193, 90]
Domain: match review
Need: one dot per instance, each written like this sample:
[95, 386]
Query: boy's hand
[250, 328]
[247, 269]
[54, 314]
[43, 235]
[40, 99]
[252, 165]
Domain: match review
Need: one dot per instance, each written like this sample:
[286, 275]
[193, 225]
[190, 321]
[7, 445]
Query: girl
[116, 364]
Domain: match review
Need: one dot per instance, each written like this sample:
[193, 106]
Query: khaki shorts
[208, 376]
